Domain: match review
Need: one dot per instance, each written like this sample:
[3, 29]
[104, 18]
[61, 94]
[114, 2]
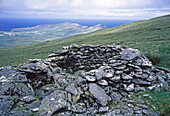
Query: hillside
[151, 37]
[22, 36]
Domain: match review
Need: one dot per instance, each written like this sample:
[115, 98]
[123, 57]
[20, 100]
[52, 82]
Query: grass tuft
[153, 57]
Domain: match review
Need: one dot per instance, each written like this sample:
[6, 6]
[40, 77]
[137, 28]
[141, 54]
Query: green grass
[161, 101]
[149, 36]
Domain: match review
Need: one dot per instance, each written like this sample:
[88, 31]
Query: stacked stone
[103, 81]
[85, 57]
[37, 72]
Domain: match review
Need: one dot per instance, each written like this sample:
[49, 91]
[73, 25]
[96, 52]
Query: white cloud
[91, 4]
[129, 9]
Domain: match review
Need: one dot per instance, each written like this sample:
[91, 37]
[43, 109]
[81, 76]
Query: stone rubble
[86, 80]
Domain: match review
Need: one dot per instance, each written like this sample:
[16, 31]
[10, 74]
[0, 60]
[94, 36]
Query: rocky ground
[88, 80]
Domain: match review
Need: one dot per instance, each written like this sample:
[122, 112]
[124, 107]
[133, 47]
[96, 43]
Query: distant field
[151, 37]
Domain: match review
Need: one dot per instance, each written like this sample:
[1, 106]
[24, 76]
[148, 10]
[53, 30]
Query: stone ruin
[82, 81]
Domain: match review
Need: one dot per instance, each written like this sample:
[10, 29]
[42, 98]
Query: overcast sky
[84, 9]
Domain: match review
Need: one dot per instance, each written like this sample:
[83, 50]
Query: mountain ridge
[39, 33]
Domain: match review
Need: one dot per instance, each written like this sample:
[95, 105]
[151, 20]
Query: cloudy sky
[84, 9]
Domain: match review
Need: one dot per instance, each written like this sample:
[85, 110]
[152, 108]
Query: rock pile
[87, 80]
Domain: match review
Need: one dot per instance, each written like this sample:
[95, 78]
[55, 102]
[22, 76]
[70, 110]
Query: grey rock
[117, 111]
[129, 87]
[146, 95]
[138, 111]
[142, 106]
[109, 73]
[116, 64]
[7, 71]
[20, 78]
[139, 89]
[127, 77]
[43, 95]
[141, 82]
[90, 78]
[48, 87]
[145, 62]
[108, 89]
[79, 108]
[103, 109]
[131, 101]
[56, 78]
[148, 113]
[3, 79]
[91, 73]
[22, 89]
[81, 67]
[52, 103]
[103, 82]
[17, 112]
[28, 99]
[130, 54]
[99, 74]
[151, 78]
[123, 112]
[138, 75]
[115, 78]
[34, 60]
[6, 103]
[118, 72]
[98, 93]
[32, 68]
[34, 106]
[138, 114]
[39, 92]
[164, 69]
[65, 113]
[116, 96]
[7, 88]
[3, 113]
[121, 67]
[157, 113]
[137, 108]
[163, 83]
[74, 46]
[72, 89]
[145, 75]
[61, 53]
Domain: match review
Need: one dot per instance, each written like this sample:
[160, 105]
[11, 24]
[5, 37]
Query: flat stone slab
[99, 93]
[6, 103]
[52, 103]
[129, 54]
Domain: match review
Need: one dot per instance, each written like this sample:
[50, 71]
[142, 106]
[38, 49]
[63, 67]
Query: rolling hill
[151, 37]
[39, 33]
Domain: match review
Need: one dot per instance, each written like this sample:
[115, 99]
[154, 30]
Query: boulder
[79, 108]
[53, 103]
[129, 54]
[99, 94]
[34, 106]
[22, 89]
[72, 89]
[6, 87]
[28, 98]
[18, 112]
[103, 109]
[6, 103]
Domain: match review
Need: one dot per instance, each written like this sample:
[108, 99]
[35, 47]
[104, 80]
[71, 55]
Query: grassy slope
[150, 36]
